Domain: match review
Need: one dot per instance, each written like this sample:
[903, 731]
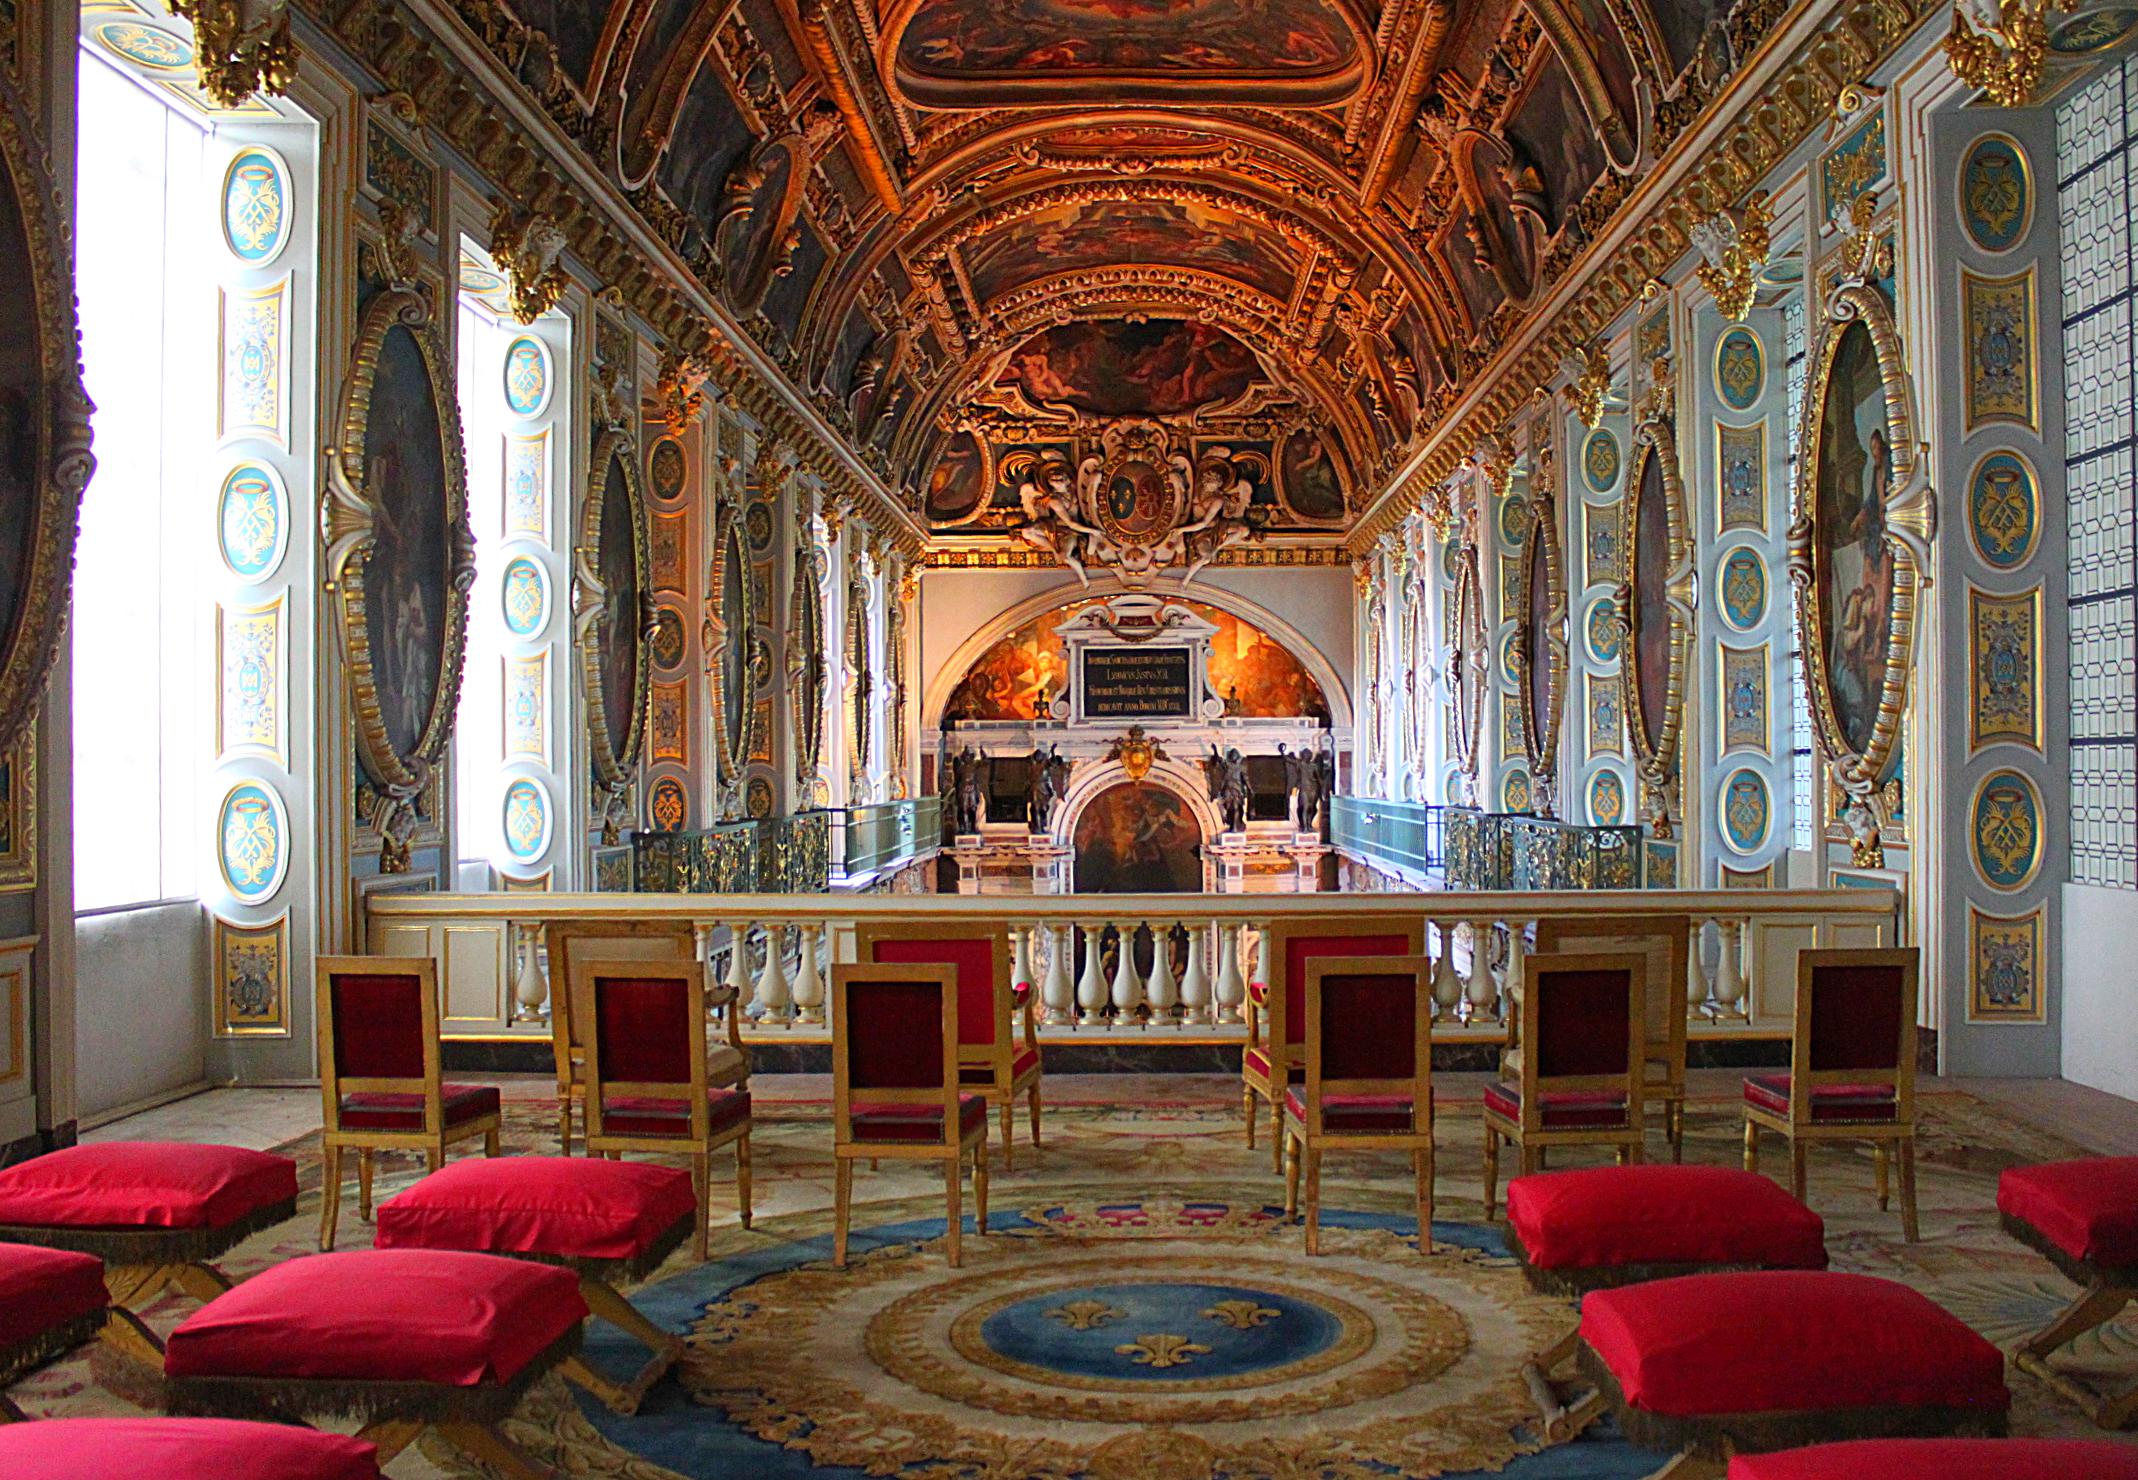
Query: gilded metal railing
[1741, 979]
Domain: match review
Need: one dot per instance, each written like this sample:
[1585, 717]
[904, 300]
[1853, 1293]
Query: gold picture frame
[396, 778]
[18, 814]
[1857, 764]
[727, 646]
[807, 669]
[1655, 446]
[612, 474]
[1469, 677]
[255, 959]
[47, 495]
[1543, 564]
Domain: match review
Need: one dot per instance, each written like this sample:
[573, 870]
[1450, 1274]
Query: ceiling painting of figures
[1075, 238]
[1161, 367]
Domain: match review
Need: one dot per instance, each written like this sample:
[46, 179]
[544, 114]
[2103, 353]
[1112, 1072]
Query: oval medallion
[256, 206]
[2006, 827]
[1740, 369]
[526, 819]
[757, 797]
[668, 639]
[1607, 799]
[1604, 632]
[1514, 521]
[251, 520]
[145, 46]
[252, 842]
[527, 376]
[666, 806]
[2094, 31]
[1508, 675]
[2003, 510]
[523, 594]
[1746, 811]
[1996, 193]
[1744, 588]
[666, 469]
[1601, 460]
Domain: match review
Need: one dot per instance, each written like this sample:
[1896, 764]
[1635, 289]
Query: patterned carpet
[1142, 1311]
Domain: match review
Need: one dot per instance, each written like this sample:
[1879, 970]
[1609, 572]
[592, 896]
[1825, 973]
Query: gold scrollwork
[1655, 755]
[396, 783]
[2000, 46]
[1910, 521]
[1543, 564]
[1468, 674]
[614, 475]
[727, 646]
[52, 494]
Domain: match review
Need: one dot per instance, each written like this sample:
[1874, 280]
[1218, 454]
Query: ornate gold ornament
[1734, 244]
[1655, 444]
[57, 421]
[244, 47]
[1858, 765]
[1589, 370]
[1467, 671]
[726, 639]
[679, 389]
[2000, 46]
[806, 665]
[1540, 676]
[1135, 752]
[528, 246]
[397, 783]
[614, 756]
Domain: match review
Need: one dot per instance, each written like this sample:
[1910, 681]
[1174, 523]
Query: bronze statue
[1226, 776]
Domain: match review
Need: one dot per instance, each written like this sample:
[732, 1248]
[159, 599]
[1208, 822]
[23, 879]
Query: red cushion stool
[1602, 1227]
[400, 1338]
[1944, 1459]
[2083, 1217]
[1717, 1364]
[180, 1449]
[154, 1211]
[603, 1220]
[51, 1301]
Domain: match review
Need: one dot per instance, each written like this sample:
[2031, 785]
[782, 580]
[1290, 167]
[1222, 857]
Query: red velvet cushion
[1365, 1026]
[1256, 1060]
[1945, 1459]
[568, 1207]
[1855, 1016]
[1600, 1217]
[1564, 1112]
[2089, 1209]
[893, 1121]
[1788, 1341]
[1022, 1062]
[644, 1028]
[42, 1289]
[382, 1315]
[180, 1449]
[1354, 1113]
[1583, 1021]
[398, 1112]
[1829, 1103]
[1300, 949]
[974, 957]
[646, 1117]
[144, 1184]
[378, 1026]
[894, 1037]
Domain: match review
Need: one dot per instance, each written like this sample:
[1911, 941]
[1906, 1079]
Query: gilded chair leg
[742, 1178]
[1033, 1098]
[1247, 1103]
[1878, 1162]
[564, 1126]
[1313, 1180]
[363, 1184]
[1529, 1155]
[842, 1197]
[1909, 1229]
[979, 1188]
[434, 1157]
[1009, 1133]
[1276, 1134]
[1422, 1173]
[1751, 1145]
[329, 1198]
[701, 1176]
[1291, 1177]
[491, 1141]
[1674, 1118]
[1798, 1153]
[1492, 1172]
[954, 1221]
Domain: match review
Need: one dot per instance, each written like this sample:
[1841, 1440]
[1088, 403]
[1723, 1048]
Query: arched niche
[1179, 781]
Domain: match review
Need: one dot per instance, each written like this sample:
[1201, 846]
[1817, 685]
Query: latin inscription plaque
[1137, 683]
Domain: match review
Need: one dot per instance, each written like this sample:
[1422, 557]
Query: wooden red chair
[644, 1027]
[1369, 1076]
[1275, 1056]
[1579, 1070]
[2082, 1216]
[1666, 940]
[380, 1080]
[895, 1087]
[995, 1061]
[1851, 1067]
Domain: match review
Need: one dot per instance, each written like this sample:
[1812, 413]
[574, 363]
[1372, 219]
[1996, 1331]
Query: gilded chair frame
[998, 1058]
[561, 939]
[1308, 1138]
[700, 1141]
[1665, 1046]
[1800, 1129]
[1267, 1027]
[951, 1151]
[1531, 1137]
[435, 1136]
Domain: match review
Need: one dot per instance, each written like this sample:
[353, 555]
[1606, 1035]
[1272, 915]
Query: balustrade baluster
[1195, 982]
[1480, 991]
[1515, 977]
[1699, 992]
[530, 989]
[772, 988]
[739, 966]
[1128, 982]
[1231, 986]
[1447, 986]
[1091, 986]
[1164, 990]
[809, 980]
[1058, 995]
[1730, 994]
[1020, 954]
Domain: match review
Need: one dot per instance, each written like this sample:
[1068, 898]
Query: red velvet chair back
[1368, 1022]
[1855, 1025]
[643, 1028]
[1582, 1019]
[981, 957]
[894, 1043]
[377, 1025]
[1365, 1026]
[1287, 947]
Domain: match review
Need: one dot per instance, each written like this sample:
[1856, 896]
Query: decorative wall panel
[252, 979]
[254, 389]
[526, 707]
[1998, 315]
[2004, 669]
[1741, 476]
[2005, 967]
[249, 685]
[1744, 698]
[527, 485]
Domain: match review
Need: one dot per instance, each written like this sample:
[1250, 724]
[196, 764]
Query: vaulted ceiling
[974, 229]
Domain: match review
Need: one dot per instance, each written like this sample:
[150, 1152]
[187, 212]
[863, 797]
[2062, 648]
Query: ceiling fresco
[986, 235]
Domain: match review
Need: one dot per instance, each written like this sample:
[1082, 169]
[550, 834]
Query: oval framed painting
[807, 667]
[734, 683]
[1540, 656]
[616, 610]
[1862, 517]
[1655, 601]
[1308, 479]
[1470, 676]
[44, 421]
[400, 550]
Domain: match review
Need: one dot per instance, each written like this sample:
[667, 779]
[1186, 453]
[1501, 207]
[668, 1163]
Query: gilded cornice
[464, 94]
[1776, 101]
